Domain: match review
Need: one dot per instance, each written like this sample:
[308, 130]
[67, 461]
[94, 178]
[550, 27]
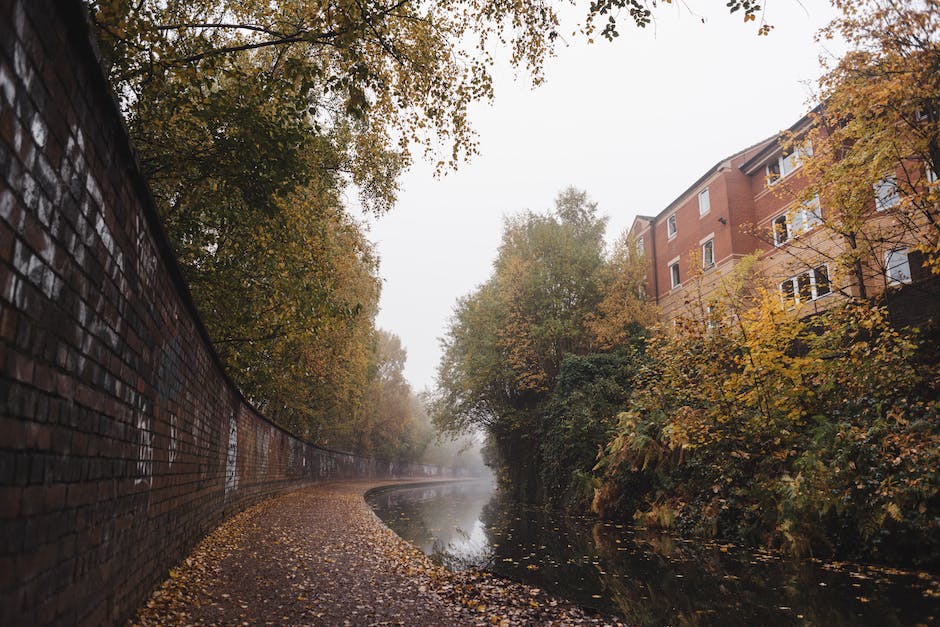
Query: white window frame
[797, 221]
[709, 317]
[708, 242]
[640, 247]
[905, 266]
[931, 175]
[787, 163]
[884, 199]
[816, 287]
[672, 226]
[704, 202]
[781, 229]
[675, 276]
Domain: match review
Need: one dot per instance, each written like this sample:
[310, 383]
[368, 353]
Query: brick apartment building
[748, 202]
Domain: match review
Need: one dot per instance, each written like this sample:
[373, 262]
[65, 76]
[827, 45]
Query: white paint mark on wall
[38, 129]
[91, 185]
[104, 233]
[7, 88]
[231, 474]
[75, 153]
[21, 63]
[197, 433]
[144, 448]
[146, 256]
[263, 444]
[173, 447]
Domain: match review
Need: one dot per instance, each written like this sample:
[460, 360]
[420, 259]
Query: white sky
[633, 122]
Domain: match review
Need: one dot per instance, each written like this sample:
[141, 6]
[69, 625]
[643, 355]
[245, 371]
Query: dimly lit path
[320, 556]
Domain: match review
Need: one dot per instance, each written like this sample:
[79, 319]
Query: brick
[10, 501]
[32, 502]
[93, 355]
[7, 573]
[7, 235]
[81, 494]
[38, 436]
[55, 498]
[12, 433]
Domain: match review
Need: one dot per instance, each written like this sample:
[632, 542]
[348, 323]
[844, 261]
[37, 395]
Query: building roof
[766, 148]
[648, 220]
[772, 148]
[715, 168]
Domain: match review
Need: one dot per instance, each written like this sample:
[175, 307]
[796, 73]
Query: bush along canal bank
[319, 556]
[647, 578]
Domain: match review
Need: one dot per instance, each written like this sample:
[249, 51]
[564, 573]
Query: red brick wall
[122, 441]
[741, 218]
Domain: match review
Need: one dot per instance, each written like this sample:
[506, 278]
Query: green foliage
[579, 421]
[506, 341]
[393, 423]
[641, 13]
[879, 117]
[814, 434]
[622, 312]
[254, 118]
[509, 363]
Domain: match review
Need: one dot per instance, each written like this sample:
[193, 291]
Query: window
[812, 214]
[796, 221]
[781, 230]
[806, 286]
[639, 246]
[773, 172]
[711, 314]
[821, 280]
[931, 175]
[704, 202]
[672, 226]
[708, 254]
[886, 193]
[674, 273]
[897, 266]
[786, 163]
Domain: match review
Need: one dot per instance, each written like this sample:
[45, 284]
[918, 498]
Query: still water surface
[649, 579]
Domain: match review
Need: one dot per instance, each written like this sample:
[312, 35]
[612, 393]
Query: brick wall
[122, 442]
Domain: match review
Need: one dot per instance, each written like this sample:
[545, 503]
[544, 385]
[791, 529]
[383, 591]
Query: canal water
[648, 579]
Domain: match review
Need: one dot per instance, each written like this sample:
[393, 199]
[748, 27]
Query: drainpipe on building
[652, 224]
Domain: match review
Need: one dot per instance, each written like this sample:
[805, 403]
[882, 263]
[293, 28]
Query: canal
[648, 579]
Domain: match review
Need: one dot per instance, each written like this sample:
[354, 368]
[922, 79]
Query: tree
[547, 270]
[405, 67]
[808, 433]
[579, 420]
[506, 343]
[392, 424]
[623, 310]
[253, 119]
[876, 134]
[291, 309]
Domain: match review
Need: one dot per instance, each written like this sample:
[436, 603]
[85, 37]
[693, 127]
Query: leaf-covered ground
[319, 556]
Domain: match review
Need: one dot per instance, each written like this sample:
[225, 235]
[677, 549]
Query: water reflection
[443, 520]
[648, 579]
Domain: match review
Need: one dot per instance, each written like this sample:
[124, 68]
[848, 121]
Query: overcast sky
[633, 122]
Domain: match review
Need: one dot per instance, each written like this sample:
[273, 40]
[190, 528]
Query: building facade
[750, 202]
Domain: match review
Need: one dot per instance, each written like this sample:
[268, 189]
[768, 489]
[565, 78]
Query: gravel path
[319, 556]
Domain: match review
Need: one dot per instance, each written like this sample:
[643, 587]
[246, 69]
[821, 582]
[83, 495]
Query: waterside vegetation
[743, 418]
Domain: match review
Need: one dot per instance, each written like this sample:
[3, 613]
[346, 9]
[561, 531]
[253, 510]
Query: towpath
[319, 556]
